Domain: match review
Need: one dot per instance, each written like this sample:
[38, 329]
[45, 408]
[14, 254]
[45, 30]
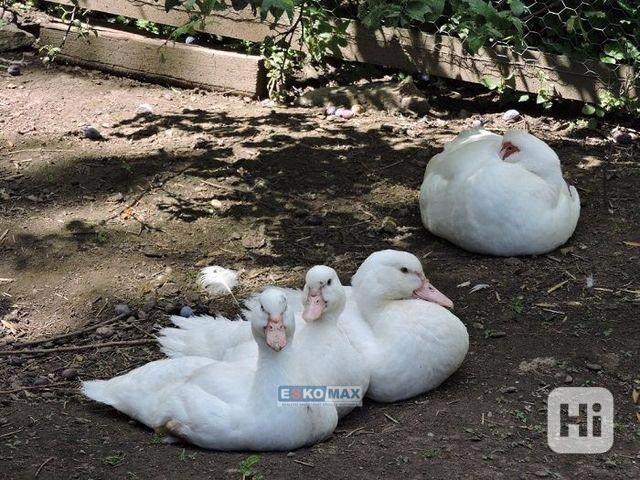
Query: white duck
[323, 343]
[499, 195]
[411, 344]
[226, 406]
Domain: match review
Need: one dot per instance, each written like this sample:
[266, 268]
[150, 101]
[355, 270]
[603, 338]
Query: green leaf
[524, 98]
[517, 7]
[588, 109]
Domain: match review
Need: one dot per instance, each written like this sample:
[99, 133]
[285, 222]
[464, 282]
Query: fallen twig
[556, 287]
[8, 434]
[42, 466]
[37, 351]
[391, 418]
[306, 464]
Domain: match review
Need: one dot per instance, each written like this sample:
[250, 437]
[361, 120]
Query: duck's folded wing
[204, 336]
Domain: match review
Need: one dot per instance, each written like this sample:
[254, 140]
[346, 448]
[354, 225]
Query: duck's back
[485, 205]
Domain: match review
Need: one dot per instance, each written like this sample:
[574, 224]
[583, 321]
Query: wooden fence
[409, 50]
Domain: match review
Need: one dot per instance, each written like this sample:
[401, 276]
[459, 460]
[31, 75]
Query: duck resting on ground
[225, 405]
[499, 195]
[393, 316]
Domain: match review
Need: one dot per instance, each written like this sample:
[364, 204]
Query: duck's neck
[272, 371]
[371, 304]
[328, 321]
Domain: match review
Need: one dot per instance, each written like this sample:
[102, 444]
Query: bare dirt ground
[85, 225]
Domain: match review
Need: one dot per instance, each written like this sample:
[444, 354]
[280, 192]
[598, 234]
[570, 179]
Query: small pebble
[105, 331]
[186, 312]
[511, 116]
[330, 110]
[425, 77]
[594, 367]
[497, 334]
[509, 390]
[69, 373]
[91, 133]
[41, 381]
[357, 109]
[346, 114]
[13, 70]
[122, 309]
[477, 123]
[190, 40]
[338, 112]
[568, 379]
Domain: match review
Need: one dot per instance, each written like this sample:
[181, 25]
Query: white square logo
[580, 420]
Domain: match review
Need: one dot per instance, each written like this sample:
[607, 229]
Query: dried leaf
[479, 286]
[636, 396]
[631, 244]
[12, 327]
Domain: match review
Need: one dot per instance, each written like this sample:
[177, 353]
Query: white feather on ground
[218, 280]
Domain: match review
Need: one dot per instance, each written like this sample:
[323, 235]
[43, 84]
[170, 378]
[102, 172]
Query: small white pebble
[511, 116]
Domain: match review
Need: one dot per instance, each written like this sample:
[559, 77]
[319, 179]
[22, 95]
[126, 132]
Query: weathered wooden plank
[137, 55]
[405, 49]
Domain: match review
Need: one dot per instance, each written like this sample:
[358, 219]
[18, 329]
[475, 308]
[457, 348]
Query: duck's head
[273, 324]
[396, 275]
[323, 293]
[531, 153]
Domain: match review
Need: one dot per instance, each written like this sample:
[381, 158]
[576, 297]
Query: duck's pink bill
[431, 294]
[314, 306]
[275, 333]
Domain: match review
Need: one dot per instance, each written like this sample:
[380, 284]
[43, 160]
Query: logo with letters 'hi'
[580, 420]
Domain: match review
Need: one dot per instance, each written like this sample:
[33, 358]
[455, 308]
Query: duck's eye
[404, 270]
[329, 282]
[262, 308]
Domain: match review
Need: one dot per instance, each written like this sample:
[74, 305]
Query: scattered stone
[508, 390]
[568, 379]
[190, 40]
[357, 109]
[122, 309]
[330, 110]
[455, 95]
[511, 116]
[92, 133]
[13, 70]
[477, 123]
[497, 334]
[186, 312]
[541, 473]
[105, 331]
[594, 367]
[69, 374]
[347, 114]
[235, 236]
[478, 325]
[41, 381]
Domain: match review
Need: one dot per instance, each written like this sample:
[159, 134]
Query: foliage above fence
[606, 31]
